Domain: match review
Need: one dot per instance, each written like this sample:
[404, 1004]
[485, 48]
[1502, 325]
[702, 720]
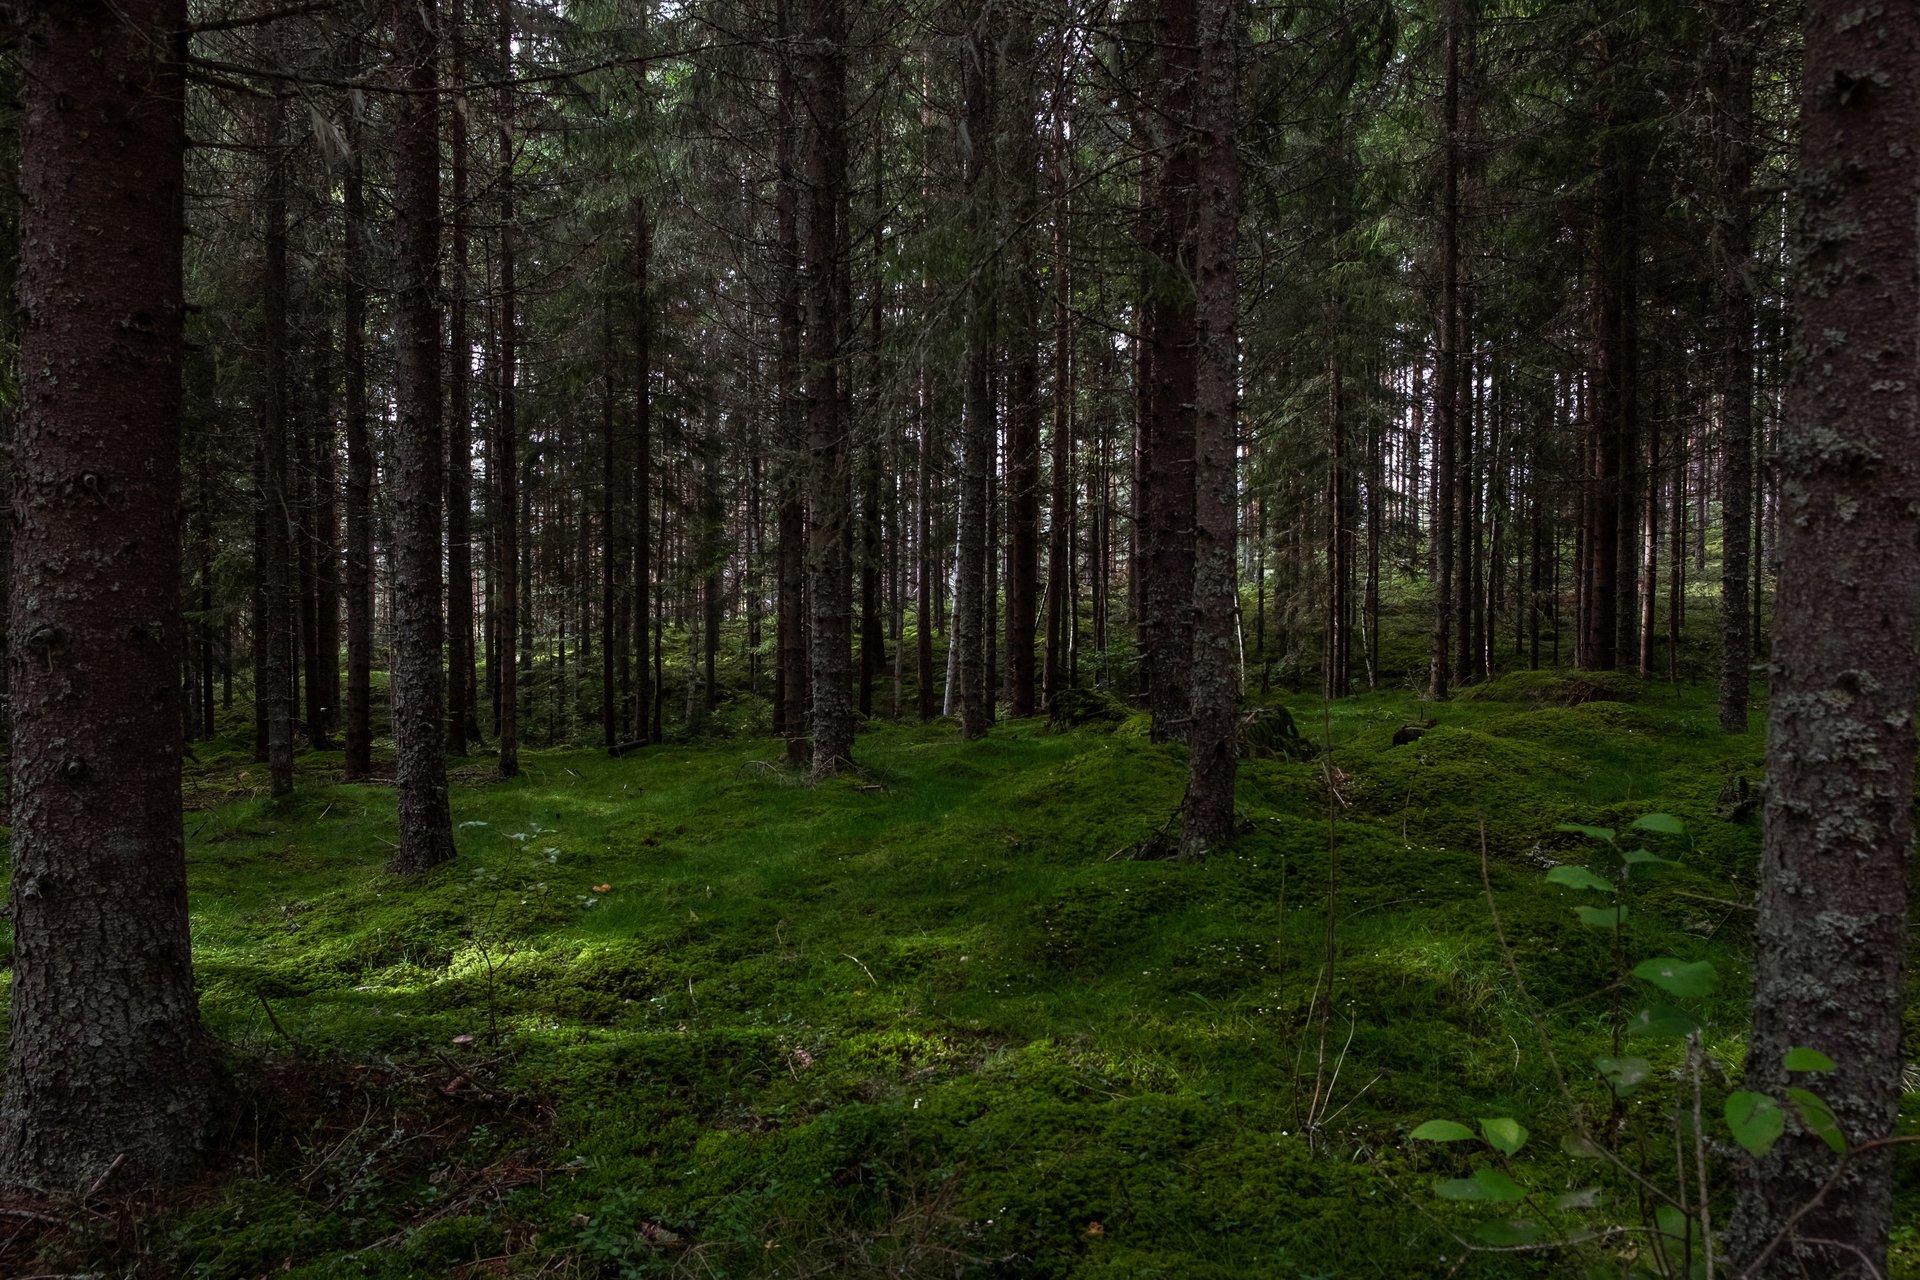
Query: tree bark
[1831, 936]
[978, 428]
[1731, 247]
[459, 417]
[790, 682]
[1446, 368]
[1213, 752]
[273, 645]
[419, 707]
[506, 431]
[1171, 336]
[1021, 111]
[359, 560]
[829, 477]
[109, 1070]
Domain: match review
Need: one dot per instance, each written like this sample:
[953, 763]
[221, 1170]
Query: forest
[936, 638]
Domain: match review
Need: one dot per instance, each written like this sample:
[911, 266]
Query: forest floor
[683, 1013]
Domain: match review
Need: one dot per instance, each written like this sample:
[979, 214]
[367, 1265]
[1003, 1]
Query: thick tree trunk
[1167, 591]
[109, 1071]
[829, 477]
[419, 707]
[1207, 817]
[1831, 938]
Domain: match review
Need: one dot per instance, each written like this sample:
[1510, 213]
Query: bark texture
[419, 733]
[1831, 935]
[1213, 754]
[107, 1056]
[823, 93]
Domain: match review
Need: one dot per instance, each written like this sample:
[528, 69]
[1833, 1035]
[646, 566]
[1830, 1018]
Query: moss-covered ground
[682, 1013]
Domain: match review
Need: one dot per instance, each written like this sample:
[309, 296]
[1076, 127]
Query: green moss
[926, 1014]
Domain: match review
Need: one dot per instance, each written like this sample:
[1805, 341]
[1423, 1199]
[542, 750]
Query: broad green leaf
[1640, 857]
[1602, 917]
[1580, 878]
[1624, 1074]
[1809, 1060]
[1508, 1231]
[1489, 1185]
[1580, 1147]
[1662, 1021]
[1441, 1131]
[1663, 823]
[1680, 1226]
[1504, 1135]
[1756, 1120]
[1602, 834]
[1819, 1118]
[1684, 978]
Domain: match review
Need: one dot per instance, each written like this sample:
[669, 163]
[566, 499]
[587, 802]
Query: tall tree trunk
[326, 539]
[829, 477]
[506, 430]
[273, 665]
[790, 683]
[923, 581]
[645, 716]
[613, 610]
[109, 1071]
[1610, 406]
[359, 559]
[419, 707]
[1060, 599]
[978, 429]
[1021, 111]
[1207, 817]
[1446, 367]
[1831, 937]
[1166, 620]
[460, 714]
[1732, 252]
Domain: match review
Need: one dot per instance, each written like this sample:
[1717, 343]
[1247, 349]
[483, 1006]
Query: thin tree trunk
[506, 443]
[273, 670]
[1732, 252]
[790, 677]
[460, 714]
[1020, 110]
[969, 627]
[1446, 368]
[359, 561]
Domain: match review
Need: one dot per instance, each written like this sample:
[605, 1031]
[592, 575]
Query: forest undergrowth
[685, 1013]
